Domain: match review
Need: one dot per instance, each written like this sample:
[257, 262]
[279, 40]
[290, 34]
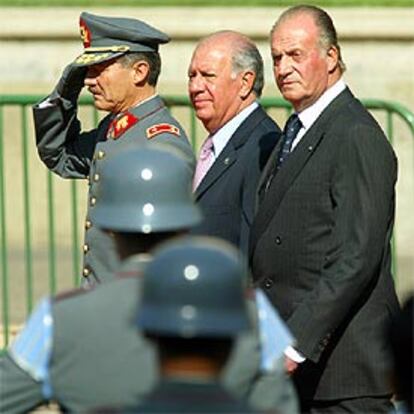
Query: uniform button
[93, 201]
[278, 240]
[86, 272]
[101, 155]
[96, 177]
[88, 224]
[310, 148]
[85, 248]
[268, 283]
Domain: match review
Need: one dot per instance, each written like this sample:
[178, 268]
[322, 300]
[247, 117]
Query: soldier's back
[191, 396]
[99, 357]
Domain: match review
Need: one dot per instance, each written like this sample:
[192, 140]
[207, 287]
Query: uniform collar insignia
[120, 124]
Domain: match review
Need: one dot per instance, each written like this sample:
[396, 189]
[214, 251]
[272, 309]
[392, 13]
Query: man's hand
[290, 365]
[70, 83]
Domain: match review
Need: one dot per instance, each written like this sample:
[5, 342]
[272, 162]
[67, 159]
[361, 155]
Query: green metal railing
[22, 104]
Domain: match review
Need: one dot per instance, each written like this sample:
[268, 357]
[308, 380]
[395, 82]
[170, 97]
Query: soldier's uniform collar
[122, 121]
[148, 106]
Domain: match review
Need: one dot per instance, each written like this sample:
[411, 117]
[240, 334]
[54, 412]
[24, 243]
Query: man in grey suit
[225, 79]
[320, 242]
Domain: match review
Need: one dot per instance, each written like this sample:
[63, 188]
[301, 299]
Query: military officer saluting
[120, 66]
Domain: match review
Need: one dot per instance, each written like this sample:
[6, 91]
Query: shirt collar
[223, 135]
[309, 115]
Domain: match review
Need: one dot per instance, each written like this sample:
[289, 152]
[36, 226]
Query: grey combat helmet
[145, 189]
[194, 287]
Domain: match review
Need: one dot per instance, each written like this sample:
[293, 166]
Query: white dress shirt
[309, 115]
[222, 136]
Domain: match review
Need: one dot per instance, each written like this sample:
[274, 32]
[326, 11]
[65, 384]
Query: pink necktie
[204, 162]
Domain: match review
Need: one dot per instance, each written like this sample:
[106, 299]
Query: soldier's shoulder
[163, 122]
[99, 296]
[158, 128]
[69, 294]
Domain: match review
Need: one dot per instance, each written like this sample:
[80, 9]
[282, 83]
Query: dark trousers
[365, 405]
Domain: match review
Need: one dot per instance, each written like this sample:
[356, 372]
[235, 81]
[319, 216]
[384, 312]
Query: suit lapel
[285, 177]
[293, 166]
[229, 154]
[227, 157]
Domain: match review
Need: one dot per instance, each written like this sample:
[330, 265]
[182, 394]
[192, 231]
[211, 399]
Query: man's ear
[247, 81]
[140, 72]
[333, 59]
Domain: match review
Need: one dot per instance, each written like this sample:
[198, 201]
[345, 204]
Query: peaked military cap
[106, 38]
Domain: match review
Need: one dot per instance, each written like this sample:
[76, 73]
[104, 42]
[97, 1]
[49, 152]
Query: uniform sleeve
[274, 392]
[60, 144]
[243, 376]
[19, 392]
[24, 372]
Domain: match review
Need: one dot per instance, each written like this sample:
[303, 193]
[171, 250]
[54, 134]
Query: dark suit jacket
[320, 248]
[226, 194]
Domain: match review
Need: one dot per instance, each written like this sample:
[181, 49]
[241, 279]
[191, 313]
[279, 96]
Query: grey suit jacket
[320, 249]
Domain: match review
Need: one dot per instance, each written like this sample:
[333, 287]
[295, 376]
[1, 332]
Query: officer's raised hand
[70, 83]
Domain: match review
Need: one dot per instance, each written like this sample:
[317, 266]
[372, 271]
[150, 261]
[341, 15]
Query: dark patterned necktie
[292, 127]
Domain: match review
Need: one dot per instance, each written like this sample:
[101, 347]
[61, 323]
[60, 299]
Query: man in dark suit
[320, 242]
[225, 81]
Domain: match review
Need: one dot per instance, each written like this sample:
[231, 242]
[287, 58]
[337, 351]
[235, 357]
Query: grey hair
[246, 56]
[327, 33]
[152, 58]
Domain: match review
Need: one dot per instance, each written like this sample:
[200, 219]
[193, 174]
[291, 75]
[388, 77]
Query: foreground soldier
[120, 67]
[144, 197]
[194, 328]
